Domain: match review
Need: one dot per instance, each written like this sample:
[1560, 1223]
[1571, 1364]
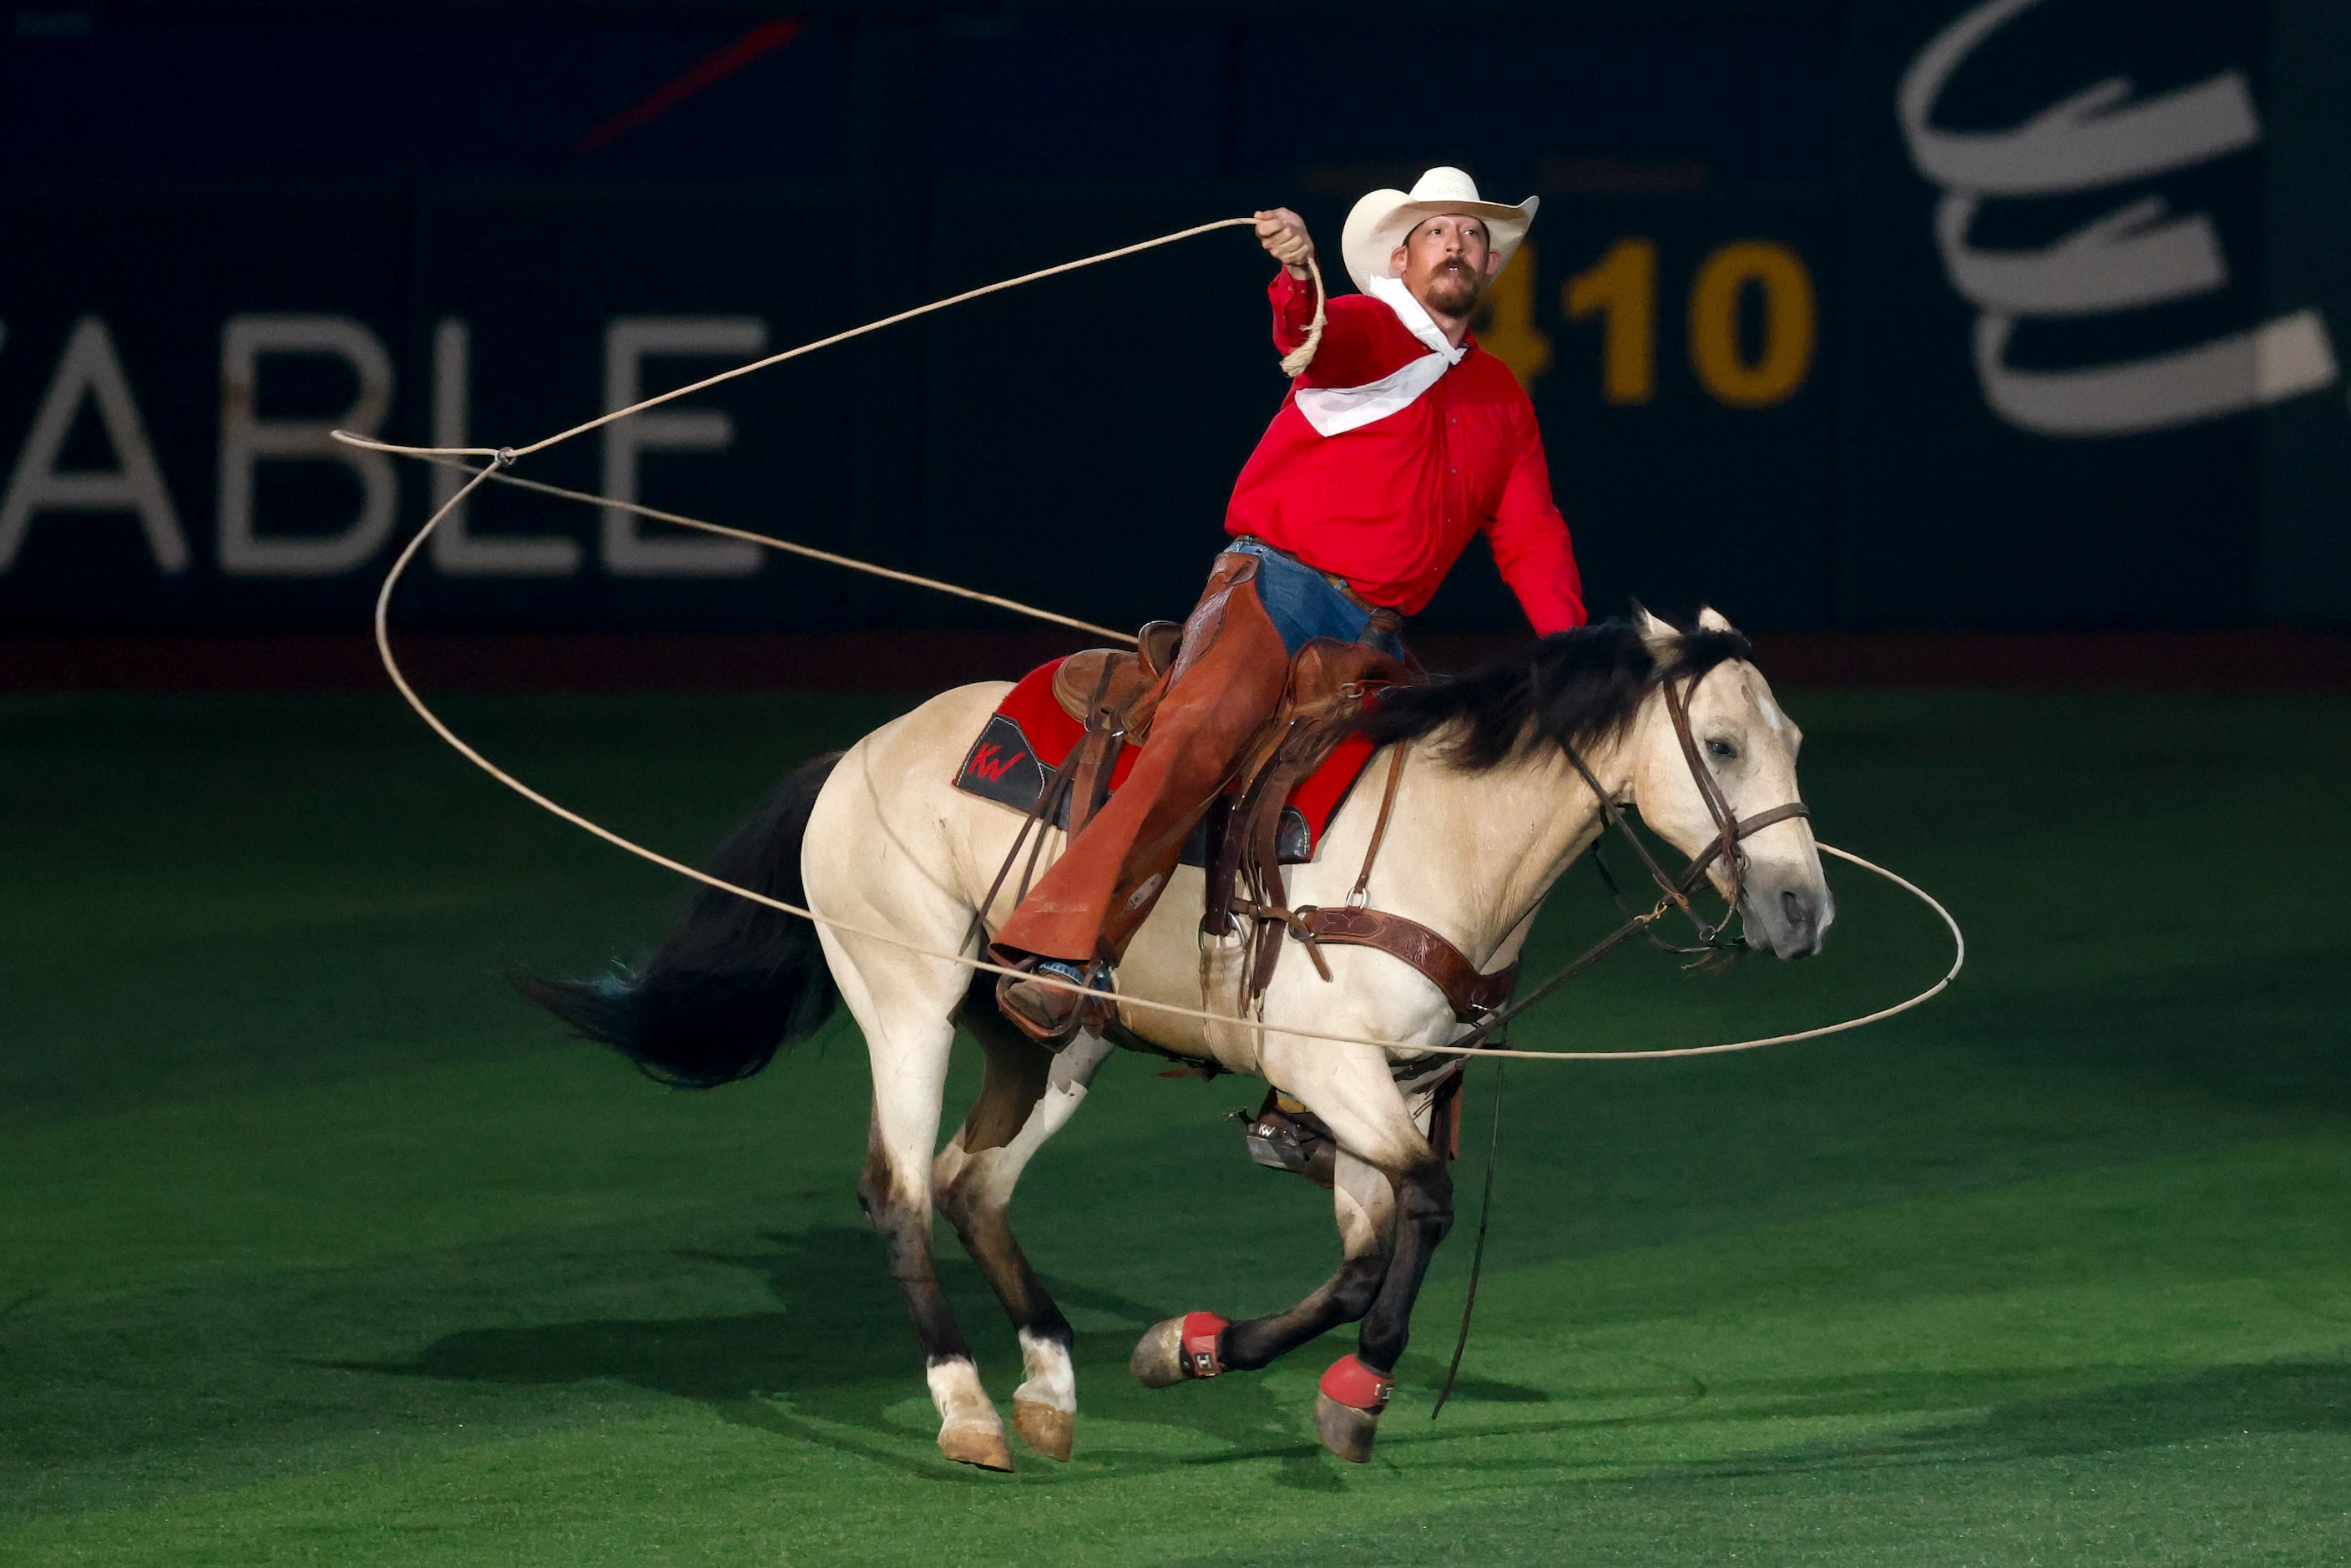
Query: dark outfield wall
[1885, 316]
[2094, 311]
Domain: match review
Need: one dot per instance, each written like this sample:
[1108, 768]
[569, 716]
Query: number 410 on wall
[1621, 290]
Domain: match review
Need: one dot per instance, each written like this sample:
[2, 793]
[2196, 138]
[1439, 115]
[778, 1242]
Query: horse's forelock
[1696, 652]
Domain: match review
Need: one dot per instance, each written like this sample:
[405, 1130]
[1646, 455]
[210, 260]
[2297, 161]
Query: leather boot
[1049, 1015]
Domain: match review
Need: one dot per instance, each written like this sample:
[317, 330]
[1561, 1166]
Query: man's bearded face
[1446, 264]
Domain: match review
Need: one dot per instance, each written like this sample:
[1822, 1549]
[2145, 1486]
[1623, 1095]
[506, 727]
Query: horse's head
[1611, 693]
[1747, 748]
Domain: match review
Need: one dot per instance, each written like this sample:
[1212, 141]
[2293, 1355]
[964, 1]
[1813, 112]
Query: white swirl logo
[2134, 256]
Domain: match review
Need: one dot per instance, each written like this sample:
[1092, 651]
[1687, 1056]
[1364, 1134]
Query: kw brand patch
[1002, 766]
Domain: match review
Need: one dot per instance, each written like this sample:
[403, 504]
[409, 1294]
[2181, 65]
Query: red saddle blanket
[1029, 736]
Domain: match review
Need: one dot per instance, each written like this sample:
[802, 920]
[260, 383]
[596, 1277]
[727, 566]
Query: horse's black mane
[1575, 688]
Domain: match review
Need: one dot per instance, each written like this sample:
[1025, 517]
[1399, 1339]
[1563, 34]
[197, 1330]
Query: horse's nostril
[1798, 911]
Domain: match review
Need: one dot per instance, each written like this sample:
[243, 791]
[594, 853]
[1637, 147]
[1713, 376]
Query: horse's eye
[1721, 749]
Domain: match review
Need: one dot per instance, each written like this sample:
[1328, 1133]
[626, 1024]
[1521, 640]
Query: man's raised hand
[1283, 234]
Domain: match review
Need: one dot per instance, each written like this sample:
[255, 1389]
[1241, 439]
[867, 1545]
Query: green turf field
[316, 1245]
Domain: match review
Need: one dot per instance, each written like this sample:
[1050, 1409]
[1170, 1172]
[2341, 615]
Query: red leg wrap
[1350, 1382]
[1201, 1331]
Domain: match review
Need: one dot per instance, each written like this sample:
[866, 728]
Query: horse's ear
[1712, 620]
[1657, 634]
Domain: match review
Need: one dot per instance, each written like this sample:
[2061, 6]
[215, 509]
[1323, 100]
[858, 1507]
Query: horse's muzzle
[1791, 921]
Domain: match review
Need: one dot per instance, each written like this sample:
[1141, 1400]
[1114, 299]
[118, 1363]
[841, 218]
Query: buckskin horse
[1493, 798]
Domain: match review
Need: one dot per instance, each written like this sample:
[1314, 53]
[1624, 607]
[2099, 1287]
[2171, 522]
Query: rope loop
[500, 459]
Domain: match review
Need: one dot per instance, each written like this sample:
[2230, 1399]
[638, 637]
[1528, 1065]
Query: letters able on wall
[90, 375]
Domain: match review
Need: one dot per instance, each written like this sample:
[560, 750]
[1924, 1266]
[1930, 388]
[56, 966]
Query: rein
[1673, 892]
[1483, 1001]
[501, 459]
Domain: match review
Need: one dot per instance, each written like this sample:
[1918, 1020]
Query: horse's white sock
[957, 1391]
[1051, 1379]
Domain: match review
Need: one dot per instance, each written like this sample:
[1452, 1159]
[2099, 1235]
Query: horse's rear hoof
[971, 1444]
[1345, 1430]
[1347, 1407]
[1050, 1431]
[1170, 1352]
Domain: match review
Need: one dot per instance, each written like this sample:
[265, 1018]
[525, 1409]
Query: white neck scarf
[1333, 411]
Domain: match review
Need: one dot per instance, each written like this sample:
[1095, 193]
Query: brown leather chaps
[1228, 679]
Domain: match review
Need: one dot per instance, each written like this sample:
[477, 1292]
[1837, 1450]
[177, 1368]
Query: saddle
[1112, 679]
[1329, 683]
[1111, 693]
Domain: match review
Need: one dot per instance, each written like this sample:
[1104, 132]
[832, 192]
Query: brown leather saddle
[1112, 679]
[1113, 691]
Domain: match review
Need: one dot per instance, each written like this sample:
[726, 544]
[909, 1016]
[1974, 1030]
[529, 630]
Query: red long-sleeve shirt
[1390, 506]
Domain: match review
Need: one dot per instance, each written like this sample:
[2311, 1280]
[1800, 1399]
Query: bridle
[1730, 829]
[1714, 943]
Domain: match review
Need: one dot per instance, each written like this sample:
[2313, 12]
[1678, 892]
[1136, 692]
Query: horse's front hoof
[970, 1443]
[1050, 1431]
[1159, 1359]
[1347, 1408]
[1170, 1352]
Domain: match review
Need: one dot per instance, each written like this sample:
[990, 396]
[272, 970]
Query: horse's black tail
[736, 981]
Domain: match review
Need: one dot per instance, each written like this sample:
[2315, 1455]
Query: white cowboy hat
[1382, 219]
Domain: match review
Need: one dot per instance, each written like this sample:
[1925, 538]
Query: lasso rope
[811, 551]
[508, 454]
[501, 459]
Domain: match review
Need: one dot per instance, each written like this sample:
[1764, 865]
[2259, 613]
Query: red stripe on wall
[707, 72]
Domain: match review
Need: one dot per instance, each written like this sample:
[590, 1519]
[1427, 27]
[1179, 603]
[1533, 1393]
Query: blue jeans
[1303, 604]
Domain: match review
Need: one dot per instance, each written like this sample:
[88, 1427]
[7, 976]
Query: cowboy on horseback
[860, 880]
[1399, 441]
